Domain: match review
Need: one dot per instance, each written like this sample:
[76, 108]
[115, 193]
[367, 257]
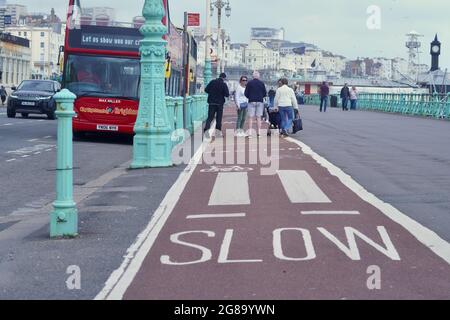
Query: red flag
[166, 17]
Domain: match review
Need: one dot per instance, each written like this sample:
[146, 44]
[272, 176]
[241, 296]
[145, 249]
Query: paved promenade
[307, 231]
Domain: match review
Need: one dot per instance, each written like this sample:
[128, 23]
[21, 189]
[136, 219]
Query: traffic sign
[193, 20]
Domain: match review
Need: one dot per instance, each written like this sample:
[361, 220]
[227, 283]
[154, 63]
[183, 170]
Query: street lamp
[220, 4]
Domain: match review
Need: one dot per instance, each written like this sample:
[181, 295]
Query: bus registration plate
[104, 127]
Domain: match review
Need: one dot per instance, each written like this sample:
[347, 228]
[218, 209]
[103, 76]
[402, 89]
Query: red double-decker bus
[102, 64]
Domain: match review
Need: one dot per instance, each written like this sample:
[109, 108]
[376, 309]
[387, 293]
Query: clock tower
[435, 53]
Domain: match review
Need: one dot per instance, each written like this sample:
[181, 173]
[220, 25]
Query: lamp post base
[152, 151]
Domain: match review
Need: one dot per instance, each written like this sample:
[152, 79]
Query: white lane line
[36, 153]
[47, 137]
[49, 150]
[424, 235]
[7, 124]
[32, 140]
[10, 160]
[212, 216]
[119, 281]
[25, 156]
[230, 189]
[301, 188]
[330, 212]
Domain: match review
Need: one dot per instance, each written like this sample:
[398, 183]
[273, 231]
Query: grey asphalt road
[403, 160]
[116, 205]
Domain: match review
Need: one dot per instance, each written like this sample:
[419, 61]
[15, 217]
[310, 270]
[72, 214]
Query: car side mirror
[13, 88]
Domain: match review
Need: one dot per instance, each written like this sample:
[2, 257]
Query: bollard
[152, 143]
[189, 105]
[64, 217]
[170, 103]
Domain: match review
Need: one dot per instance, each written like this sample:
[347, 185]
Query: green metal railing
[417, 104]
[196, 113]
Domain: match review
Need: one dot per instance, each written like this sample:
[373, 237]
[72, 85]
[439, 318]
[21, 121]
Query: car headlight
[14, 96]
[44, 98]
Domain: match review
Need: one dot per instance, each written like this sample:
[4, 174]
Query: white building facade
[15, 60]
[16, 11]
[45, 44]
[259, 57]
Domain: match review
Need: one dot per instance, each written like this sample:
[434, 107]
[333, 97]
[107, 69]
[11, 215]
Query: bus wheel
[78, 135]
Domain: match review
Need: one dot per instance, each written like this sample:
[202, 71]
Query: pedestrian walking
[345, 96]
[324, 93]
[217, 91]
[3, 94]
[286, 102]
[242, 106]
[353, 98]
[255, 92]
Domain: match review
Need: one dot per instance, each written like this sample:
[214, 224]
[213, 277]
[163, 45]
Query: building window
[25, 33]
[42, 45]
[42, 34]
[20, 33]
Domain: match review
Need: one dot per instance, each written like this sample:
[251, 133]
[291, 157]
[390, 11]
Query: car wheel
[24, 115]
[10, 113]
[51, 115]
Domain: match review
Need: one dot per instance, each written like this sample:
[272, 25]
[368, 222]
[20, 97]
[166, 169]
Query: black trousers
[214, 111]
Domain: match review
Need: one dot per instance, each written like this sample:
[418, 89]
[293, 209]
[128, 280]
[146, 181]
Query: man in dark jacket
[345, 96]
[217, 91]
[324, 93]
[255, 92]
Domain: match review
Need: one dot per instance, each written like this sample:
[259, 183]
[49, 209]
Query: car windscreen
[36, 86]
[105, 77]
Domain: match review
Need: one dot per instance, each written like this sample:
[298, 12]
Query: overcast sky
[339, 26]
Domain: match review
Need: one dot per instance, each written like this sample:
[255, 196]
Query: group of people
[347, 94]
[249, 99]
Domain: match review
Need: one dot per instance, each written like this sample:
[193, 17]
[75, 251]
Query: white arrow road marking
[230, 189]
[301, 188]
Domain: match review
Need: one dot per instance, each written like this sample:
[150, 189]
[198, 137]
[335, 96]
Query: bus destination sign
[105, 38]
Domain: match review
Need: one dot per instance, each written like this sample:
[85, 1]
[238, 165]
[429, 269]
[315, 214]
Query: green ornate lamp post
[64, 218]
[208, 68]
[152, 142]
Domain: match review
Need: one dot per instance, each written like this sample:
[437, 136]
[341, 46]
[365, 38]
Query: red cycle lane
[306, 232]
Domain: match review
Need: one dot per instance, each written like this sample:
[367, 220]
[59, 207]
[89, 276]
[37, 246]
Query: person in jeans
[217, 91]
[286, 102]
[324, 93]
[255, 92]
[353, 98]
[242, 106]
[345, 96]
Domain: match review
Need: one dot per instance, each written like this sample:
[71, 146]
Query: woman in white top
[353, 98]
[285, 103]
[242, 106]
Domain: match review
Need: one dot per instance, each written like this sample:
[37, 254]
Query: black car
[33, 96]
